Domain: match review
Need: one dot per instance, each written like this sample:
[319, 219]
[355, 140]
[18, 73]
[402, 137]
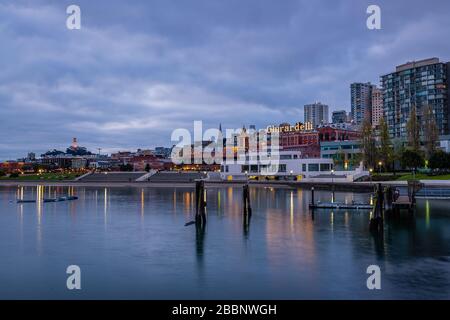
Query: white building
[287, 165]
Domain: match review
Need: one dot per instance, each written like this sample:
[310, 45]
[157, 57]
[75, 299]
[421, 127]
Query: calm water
[132, 243]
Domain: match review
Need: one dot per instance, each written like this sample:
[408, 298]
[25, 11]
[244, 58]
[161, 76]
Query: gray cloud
[137, 70]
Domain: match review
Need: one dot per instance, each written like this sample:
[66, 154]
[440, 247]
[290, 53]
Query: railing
[439, 193]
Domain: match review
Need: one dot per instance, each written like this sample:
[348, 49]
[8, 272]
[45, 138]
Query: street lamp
[379, 165]
[370, 174]
[332, 176]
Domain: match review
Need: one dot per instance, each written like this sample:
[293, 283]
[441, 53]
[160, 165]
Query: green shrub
[439, 160]
[412, 159]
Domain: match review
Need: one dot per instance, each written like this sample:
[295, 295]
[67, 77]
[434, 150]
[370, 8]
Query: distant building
[328, 133]
[361, 101]
[141, 162]
[346, 154]
[163, 152]
[377, 106]
[419, 83]
[444, 143]
[144, 152]
[344, 126]
[11, 166]
[308, 142]
[104, 164]
[79, 163]
[123, 157]
[316, 113]
[339, 116]
[63, 161]
[74, 144]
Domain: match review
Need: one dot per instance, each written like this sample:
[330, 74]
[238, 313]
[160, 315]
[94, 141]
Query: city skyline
[128, 78]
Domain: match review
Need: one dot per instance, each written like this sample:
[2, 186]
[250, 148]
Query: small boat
[59, 199]
[26, 201]
[339, 205]
[67, 198]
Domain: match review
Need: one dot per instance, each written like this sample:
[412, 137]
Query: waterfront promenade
[347, 186]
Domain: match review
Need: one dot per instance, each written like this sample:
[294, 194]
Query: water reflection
[288, 250]
[142, 203]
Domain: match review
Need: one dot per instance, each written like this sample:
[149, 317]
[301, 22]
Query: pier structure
[387, 200]
[200, 203]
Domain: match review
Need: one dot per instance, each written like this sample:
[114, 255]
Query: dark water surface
[132, 243]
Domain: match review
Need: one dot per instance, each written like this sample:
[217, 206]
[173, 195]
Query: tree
[439, 160]
[339, 159]
[147, 167]
[79, 151]
[430, 131]
[355, 160]
[413, 130]
[53, 152]
[386, 151]
[2, 173]
[412, 159]
[126, 167]
[368, 143]
[398, 149]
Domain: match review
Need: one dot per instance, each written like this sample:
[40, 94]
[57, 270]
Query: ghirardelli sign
[298, 127]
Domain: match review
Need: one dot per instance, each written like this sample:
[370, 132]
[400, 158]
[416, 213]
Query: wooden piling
[388, 198]
[200, 203]
[376, 223]
[246, 200]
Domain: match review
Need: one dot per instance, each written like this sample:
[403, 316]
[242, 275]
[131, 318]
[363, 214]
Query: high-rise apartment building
[316, 114]
[339, 116]
[377, 106]
[419, 83]
[361, 101]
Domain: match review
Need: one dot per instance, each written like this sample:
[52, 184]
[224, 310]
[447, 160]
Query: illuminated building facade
[361, 101]
[377, 107]
[417, 84]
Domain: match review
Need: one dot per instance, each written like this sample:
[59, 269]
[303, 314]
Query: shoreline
[337, 186]
[362, 187]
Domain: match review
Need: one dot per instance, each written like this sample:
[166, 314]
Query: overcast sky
[139, 69]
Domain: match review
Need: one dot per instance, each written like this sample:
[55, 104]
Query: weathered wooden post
[376, 223]
[247, 209]
[200, 203]
[246, 223]
[246, 200]
[312, 197]
[312, 204]
[389, 198]
[197, 195]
